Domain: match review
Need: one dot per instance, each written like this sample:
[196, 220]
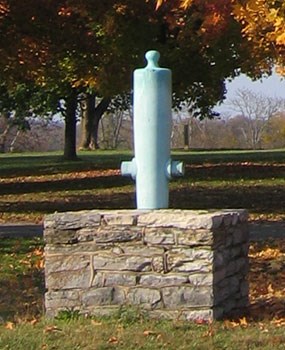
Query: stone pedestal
[173, 263]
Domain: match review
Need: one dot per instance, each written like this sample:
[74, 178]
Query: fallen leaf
[201, 321]
[270, 290]
[113, 340]
[231, 324]
[34, 321]
[10, 325]
[96, 323]
[243, 322]
[38, 252]
[279, 322]
[148, 333]
[39, 264]
[49, 329]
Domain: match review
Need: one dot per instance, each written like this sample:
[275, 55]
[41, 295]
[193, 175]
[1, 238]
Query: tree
[118, 116]
[257, 111]
[71, 45]
[91, 114]
[263, 24]
[92, 47]
[274, 136]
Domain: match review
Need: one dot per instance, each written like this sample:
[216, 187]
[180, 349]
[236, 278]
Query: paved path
[20, 230]
[257, 231]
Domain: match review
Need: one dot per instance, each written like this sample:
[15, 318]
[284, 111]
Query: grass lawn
[32, 185]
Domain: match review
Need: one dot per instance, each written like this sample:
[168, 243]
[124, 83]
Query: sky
[272, 86]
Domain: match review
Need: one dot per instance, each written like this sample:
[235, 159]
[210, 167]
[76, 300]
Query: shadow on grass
[257, 199]
[21, 279]
[70, 203]
[261, 199]
[235, 171]
[267, 282]
[98, 182]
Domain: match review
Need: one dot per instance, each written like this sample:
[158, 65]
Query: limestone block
[103, 296]
[220, 295]
[201, 279]
[158, 280]
[68, 279]
[127, 263]
[72, 220]
[138, 249]
[62, 299]
[190, 254]
[101, 311]
[219, 274]
[244, 288]
[236, 251]
[120, 218]
[187, 296]
[199, 237]
[115, 234]
[118, 279]
[76, 248]
[181, 218]
[220, 260]
[158, 236]
[57, 236]
[189, 266]
[58, 263]
[147, 297]
[202, 315]
[241, 235]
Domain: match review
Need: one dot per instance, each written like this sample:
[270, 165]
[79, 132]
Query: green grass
[32, 185]
[101, 334]
[21, 277]
[17, 164]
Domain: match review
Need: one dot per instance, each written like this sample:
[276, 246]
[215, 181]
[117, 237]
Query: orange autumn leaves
[262, 25]
[267, 280]
[214, 15]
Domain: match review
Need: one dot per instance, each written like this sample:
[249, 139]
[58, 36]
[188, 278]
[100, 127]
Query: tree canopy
[64, 48]
[262, 24]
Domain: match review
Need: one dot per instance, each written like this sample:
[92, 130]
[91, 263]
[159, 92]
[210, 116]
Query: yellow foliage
[280, 40]
[263, 25]
[186, 3]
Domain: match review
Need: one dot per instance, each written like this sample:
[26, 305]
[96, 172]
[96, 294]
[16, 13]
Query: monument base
[182, 264]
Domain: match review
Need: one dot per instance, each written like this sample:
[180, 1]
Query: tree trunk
[186, 136]
[91, 117]
[88, 112]
[70, 127]
[99, 111]
[3, 138]
[11, 147]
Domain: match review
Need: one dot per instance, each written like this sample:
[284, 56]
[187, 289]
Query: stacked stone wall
[173, 263]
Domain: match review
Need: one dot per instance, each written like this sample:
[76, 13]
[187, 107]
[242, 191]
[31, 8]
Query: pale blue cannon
[152, 167]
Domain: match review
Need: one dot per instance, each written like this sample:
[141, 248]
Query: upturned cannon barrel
[152, 166]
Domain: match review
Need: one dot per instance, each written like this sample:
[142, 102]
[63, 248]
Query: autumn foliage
[262, 26]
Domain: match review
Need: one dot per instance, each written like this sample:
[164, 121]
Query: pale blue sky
[272, 86]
